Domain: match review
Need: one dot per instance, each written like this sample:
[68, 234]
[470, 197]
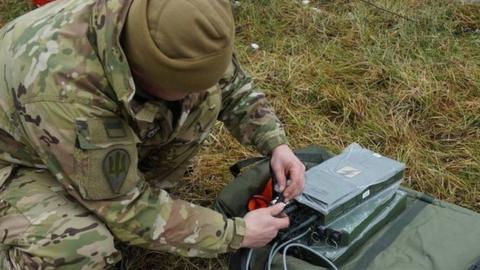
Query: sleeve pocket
[106, 156]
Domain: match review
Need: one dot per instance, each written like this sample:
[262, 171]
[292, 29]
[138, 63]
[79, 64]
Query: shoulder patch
[114, 128]
[115, 168]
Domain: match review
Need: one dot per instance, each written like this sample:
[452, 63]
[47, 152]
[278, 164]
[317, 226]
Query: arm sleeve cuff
[266, 146]
[239, 229]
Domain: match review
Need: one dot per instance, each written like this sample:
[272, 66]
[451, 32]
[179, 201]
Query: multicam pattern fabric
[70, 121]
[40, 220]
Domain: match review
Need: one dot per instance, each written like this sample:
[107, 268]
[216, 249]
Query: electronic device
[339, 184]
[345, 201]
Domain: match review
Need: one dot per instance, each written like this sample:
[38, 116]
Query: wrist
[280, 148]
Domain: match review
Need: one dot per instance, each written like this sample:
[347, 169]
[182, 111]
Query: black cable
[278, 244]
[302, 225]
[388, 11]
[276, 247]
[325, 259]
[287, 210]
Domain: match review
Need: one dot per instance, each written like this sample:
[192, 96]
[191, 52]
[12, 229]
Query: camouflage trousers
[43, 227]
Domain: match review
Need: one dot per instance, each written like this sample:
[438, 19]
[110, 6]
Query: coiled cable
[325, 259]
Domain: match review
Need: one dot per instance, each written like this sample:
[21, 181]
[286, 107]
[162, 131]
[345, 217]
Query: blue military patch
[115, 168]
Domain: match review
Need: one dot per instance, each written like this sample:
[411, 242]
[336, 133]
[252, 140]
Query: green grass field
[344, 71]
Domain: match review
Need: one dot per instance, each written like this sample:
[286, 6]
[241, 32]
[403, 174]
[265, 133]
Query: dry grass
[348, 72]
[10, 9]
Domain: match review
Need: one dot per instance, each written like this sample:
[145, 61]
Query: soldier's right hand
[262, 225]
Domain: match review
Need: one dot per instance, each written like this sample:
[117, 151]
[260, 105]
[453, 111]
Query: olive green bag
[428, 234]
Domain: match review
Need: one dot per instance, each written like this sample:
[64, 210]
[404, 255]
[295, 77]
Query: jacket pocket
[107, 158]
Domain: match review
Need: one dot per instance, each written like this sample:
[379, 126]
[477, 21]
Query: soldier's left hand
[287, 167]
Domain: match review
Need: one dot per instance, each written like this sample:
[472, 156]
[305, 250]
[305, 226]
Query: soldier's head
[177, 47]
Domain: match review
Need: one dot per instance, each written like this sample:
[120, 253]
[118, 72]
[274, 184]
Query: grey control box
[337, 185]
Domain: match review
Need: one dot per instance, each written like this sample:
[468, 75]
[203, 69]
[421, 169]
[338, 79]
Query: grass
[348, 72]
[10, 9]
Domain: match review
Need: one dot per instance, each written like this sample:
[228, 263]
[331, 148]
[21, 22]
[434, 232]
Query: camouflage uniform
[83, 158]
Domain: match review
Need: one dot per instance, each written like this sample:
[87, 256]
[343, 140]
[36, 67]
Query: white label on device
[349, 172]
[365, 194]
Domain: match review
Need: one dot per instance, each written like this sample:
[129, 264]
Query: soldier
[103, 103]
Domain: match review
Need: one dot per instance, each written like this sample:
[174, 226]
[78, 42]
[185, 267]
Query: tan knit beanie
[180, 44]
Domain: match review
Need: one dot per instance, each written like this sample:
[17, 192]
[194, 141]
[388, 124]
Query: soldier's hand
[262, 225]
[286, 166]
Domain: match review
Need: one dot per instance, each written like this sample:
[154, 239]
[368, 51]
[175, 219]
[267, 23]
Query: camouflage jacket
[66, 98]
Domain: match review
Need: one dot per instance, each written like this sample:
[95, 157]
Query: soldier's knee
[92, 250]
[47, 230]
